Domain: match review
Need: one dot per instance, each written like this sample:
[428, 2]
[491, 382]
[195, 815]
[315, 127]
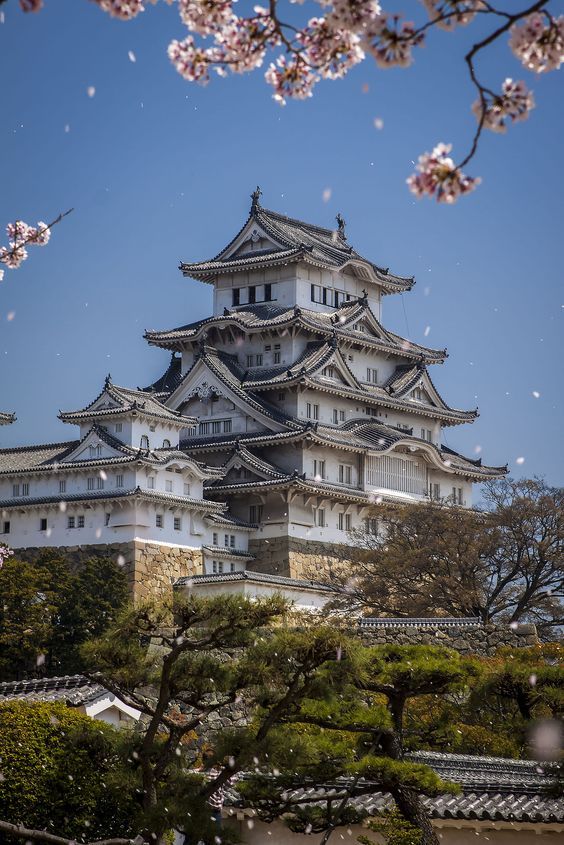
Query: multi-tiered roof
[273, 240]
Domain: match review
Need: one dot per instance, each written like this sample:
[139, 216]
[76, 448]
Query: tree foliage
[60, 771]
[503, 565]
[49, 608]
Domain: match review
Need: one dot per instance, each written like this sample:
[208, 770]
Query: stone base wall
[295, 558]
[481, 639]
[151, 569]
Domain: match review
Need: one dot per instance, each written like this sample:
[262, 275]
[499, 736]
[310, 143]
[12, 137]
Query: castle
[280, 425]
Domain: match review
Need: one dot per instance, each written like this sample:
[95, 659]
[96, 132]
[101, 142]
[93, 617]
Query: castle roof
[155, 496]
[342, 322]
[252, 577]
[59, 456]
[289, 241]
[113, 400]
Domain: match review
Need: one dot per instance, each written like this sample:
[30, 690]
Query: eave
[105, 495]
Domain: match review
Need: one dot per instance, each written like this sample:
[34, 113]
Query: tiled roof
[254, 462]
[6, 419]
[267, 316]
[231, 521]
[125, 400]
[493, 789]
[226, 368]
[54, 456]
[108, 495]
[169, 380]
[225, 552]
[296, 240]
[436, 623]
[253, 577]
[76, 690]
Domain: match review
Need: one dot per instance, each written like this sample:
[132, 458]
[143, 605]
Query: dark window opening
[252, 295]
[236, 296]
[267, 293]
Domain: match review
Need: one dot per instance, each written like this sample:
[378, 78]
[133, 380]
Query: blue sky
[159, 170]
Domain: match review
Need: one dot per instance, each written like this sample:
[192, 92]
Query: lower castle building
[281, 423]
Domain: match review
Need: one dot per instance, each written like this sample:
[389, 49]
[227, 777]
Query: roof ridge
[37, 446]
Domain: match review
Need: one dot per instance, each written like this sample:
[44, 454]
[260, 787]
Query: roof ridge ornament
[108, 380]
[255, 199]
[341, 226]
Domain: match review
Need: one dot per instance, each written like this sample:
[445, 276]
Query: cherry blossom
[22, 235]
[390, 42]
[291, 78]
[5, 553]
[124, 10]
[190, 61]
[514, 103]
[439, 176]
[332, 52]
[539, 42]
[242, 42]
[353, 15]
[206, 16]
[449, 13]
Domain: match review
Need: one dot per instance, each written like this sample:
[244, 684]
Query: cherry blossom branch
[22, 235]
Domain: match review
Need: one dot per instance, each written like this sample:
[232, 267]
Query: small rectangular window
[348, 522]
[226, 540]
[119, 480]
[255, 514]
[232, 567]
[267, 293]
[6, 527]
[281, 397]
[90, 481]
[70, 522]
[159, 520]
[268, 348]
[435, 491]
[25, 489]
[250, 359]
[177, 523]
[335, 416]
[316, 412]
[319, 469]
[252, 295]
[220, 566]
[232, 541]
[151, 483]
[15, 489]
[43, 524]
[168, 486]
[80, 521]
[259, 359]
[277, 346]
[342, 416]
[215, 538]
[226, 426]
[186, 489]
[107, 518]
[236, 296]
[319, 517]
[100, 483]
[308, 414]
[62, 486]
[341, 521]
[214, 567]
[277, 357]
[216, 427]
[119, 427]
[371, 375]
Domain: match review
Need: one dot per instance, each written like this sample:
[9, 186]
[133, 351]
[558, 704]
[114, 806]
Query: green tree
[59, 770]
[49, 608]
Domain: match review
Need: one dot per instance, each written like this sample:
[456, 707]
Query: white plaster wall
[302, 599]
[278, 834]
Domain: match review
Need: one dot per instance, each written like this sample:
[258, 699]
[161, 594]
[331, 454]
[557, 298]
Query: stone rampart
[151, 568]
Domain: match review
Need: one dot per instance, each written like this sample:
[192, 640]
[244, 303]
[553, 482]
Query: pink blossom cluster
[391, 41]
[514, 103]
[449, 13]
[206, 16]
[332, 51]
[5, 553]
[22, 235]
[439, 176]
[539, 42]
[124, 10]
[293, 78]
[353, 15]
